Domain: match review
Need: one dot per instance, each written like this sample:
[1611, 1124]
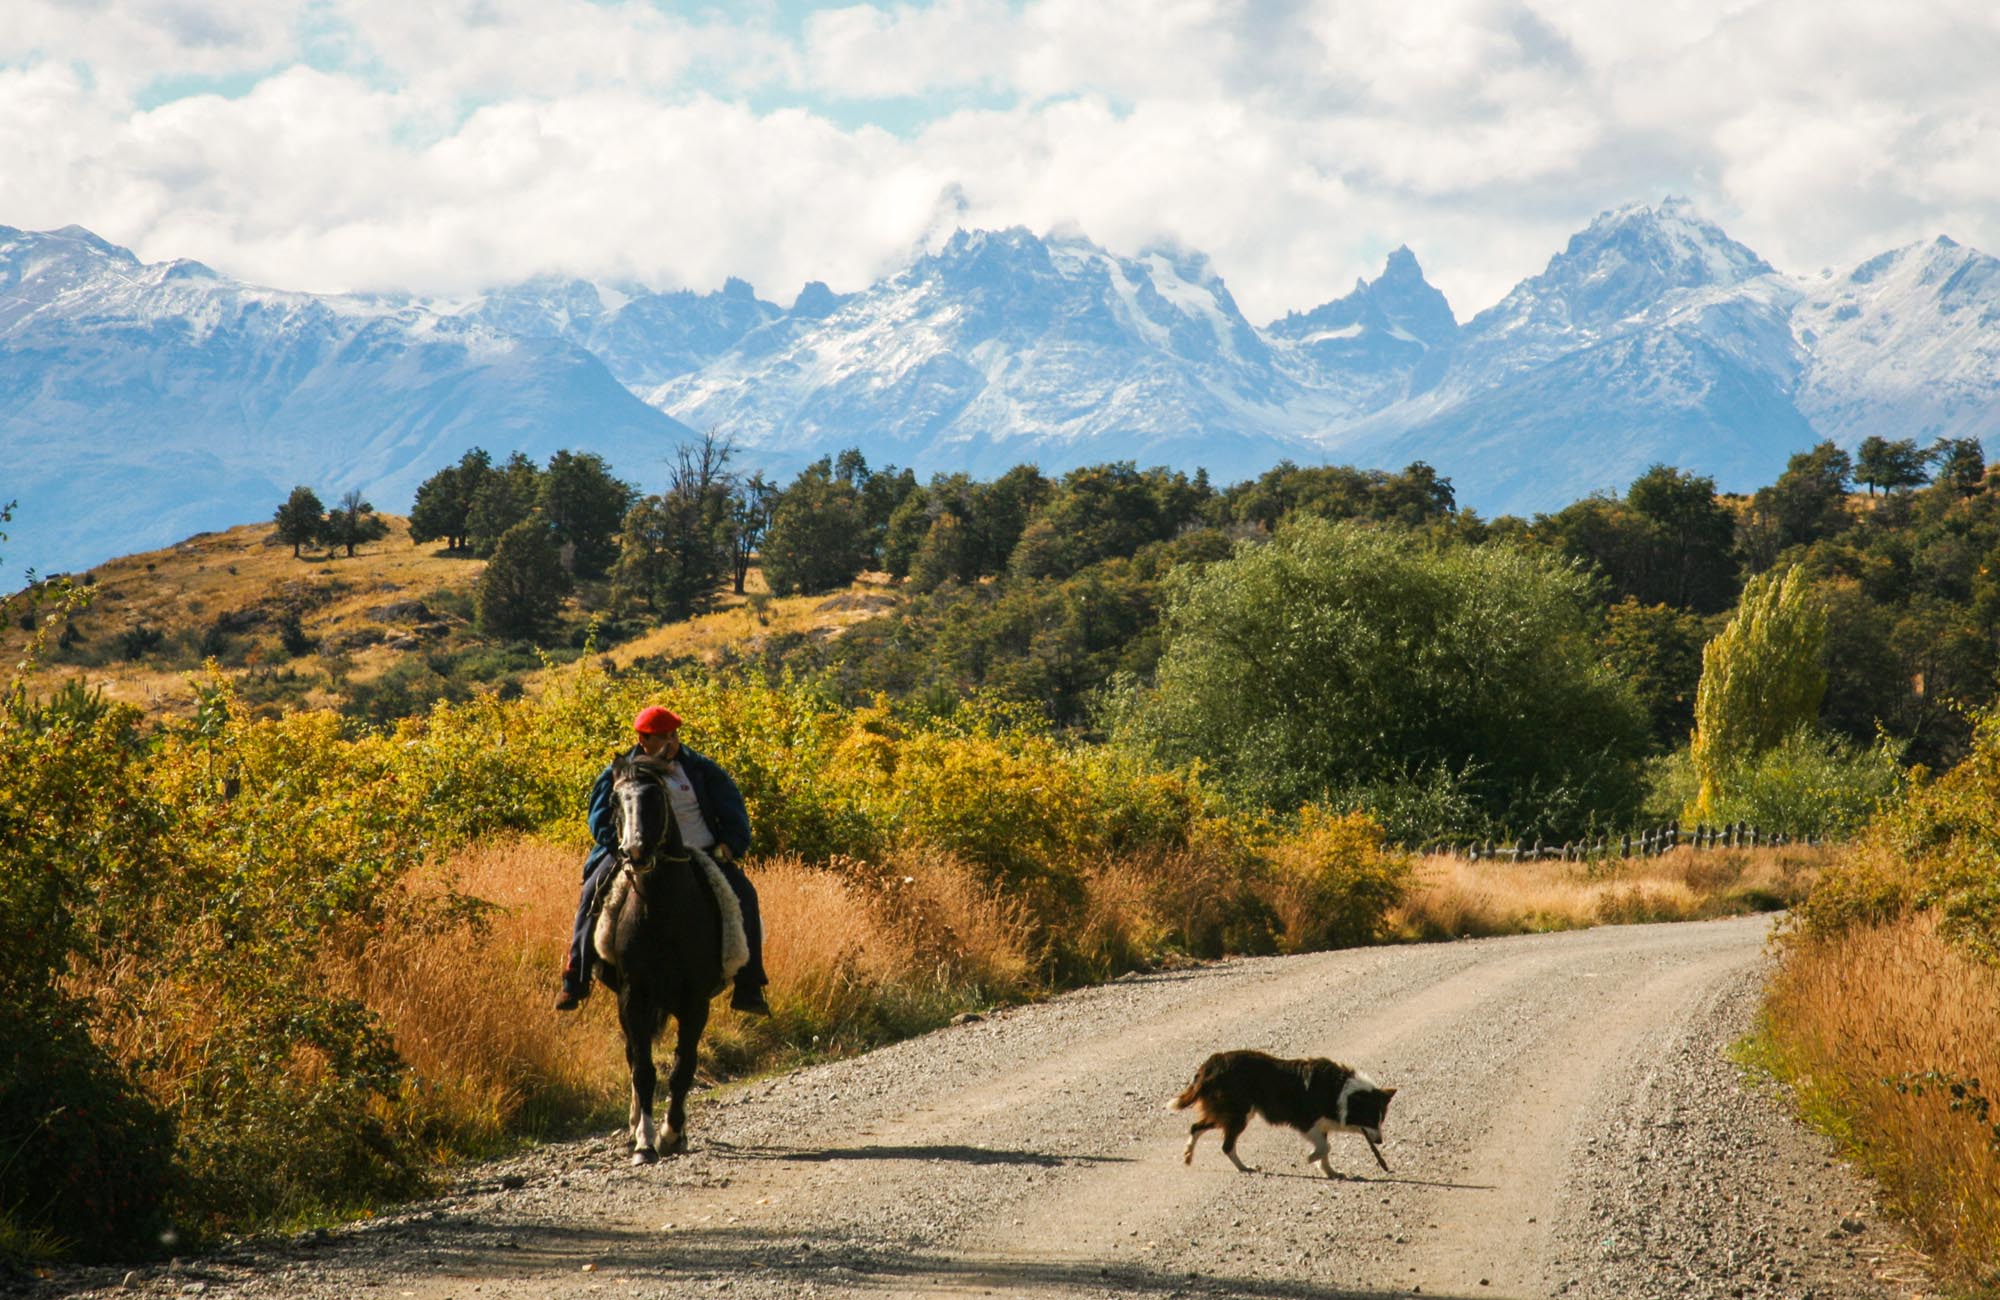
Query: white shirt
[687, 809]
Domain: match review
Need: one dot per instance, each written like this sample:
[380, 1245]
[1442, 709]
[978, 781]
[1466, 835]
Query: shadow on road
[958, 1154]
[833, 1263]
[1375, 1180]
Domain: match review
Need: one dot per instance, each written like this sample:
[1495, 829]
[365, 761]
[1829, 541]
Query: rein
[638, 870]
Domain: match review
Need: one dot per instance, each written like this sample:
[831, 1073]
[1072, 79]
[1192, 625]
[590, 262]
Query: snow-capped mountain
[644, 338]
[1905, 345]
[1653, 337]
[141, 403]
[1370, 344]
[1003, 347]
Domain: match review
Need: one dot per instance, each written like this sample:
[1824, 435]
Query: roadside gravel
[1566, 1125]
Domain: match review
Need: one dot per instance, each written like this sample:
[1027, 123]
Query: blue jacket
[721, 804]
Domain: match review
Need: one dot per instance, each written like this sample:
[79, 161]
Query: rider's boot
[574, 990]
[748, 997]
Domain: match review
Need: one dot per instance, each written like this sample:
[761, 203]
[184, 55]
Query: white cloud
[1295, 141]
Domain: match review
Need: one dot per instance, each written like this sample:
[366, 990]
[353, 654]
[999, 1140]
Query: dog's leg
[1317, 1156]
[1230, 1133]
[1195, 1130]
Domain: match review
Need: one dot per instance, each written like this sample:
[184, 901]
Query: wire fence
[1647, 843]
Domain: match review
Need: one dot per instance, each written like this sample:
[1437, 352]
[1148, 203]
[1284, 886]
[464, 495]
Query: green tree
[1100, 511]
[1889, 465]
[1690, 540]
[353, 523]
[675, 549]
[1346, 663]
[905, 532]
[504, 498]
[523, 584]
[444, 500]
[750, 509]
[584, 506]
[1809, 500]
[817, 540]
[301, 519]
[949, 552]
[1761, 680]
[1657, 649]
[1961, 465]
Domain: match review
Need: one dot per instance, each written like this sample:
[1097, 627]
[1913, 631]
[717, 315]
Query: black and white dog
[1316, 1097]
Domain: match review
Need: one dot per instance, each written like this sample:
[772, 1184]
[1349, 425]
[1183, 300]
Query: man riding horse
[709, 811]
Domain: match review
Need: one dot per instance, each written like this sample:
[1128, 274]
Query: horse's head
[644, 820]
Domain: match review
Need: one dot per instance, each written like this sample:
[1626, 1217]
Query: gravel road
[1565, 1125]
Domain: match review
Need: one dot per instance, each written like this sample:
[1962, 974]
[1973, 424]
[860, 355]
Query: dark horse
[665, 949]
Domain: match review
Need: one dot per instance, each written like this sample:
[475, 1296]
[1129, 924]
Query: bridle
[637, 868]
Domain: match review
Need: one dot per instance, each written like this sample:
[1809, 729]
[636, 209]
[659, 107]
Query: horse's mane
[645, 765]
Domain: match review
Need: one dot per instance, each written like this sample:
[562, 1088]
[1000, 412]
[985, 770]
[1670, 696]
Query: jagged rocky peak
[1411, 301]
[817, 302]
[1398, 312]
[981, 256]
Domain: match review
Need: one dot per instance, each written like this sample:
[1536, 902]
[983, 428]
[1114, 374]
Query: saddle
[735, 941]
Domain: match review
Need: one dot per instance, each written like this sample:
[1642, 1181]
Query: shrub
[89, 1156]
[1339, 658]
[1333, 883]
[1812, 783]
[1936, 850]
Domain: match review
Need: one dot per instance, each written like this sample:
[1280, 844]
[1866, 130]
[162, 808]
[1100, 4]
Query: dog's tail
[1192, 1093]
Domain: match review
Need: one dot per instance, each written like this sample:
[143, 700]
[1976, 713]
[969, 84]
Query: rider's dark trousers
[598, 873]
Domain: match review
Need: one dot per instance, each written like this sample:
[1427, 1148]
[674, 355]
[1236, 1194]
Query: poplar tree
[1761, 680]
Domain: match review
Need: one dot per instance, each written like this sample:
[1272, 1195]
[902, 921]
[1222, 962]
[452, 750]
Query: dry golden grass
[742, 620]
[1892, 1041]
[1453, 898]
[182, 588]
[471, 1016]
[855, 958]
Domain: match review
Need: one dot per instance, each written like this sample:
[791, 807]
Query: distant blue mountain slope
[140, 402]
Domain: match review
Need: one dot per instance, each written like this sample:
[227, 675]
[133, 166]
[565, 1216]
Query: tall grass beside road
[1452, 898]
[1890, 1038]
[1884, 1016]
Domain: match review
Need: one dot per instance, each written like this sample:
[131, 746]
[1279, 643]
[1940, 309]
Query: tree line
[1097, 594]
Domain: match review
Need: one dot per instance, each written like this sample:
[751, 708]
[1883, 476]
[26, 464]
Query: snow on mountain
[644, 338]
[1652, 337]
[1369, 344]
[143, 402]
[1905, 345]
[1003, 347]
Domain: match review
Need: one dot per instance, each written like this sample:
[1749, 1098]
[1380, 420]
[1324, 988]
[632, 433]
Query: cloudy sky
[442, 145]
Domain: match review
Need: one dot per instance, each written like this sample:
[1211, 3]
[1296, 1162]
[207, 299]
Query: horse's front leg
[639, 1056]
[687, 1042]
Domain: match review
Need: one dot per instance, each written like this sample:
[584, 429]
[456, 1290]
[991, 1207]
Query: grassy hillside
[388, 627]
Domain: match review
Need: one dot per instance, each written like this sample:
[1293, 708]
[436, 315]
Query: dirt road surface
[1567, 1125]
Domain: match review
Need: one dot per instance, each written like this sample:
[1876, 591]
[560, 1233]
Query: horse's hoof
[675, 1146]
[645, 1156]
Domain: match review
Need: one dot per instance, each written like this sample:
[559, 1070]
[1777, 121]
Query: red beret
[653, 720]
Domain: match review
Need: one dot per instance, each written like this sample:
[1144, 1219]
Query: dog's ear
[1388, 1093]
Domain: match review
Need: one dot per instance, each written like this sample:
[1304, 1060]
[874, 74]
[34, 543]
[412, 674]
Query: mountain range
[142, 402]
